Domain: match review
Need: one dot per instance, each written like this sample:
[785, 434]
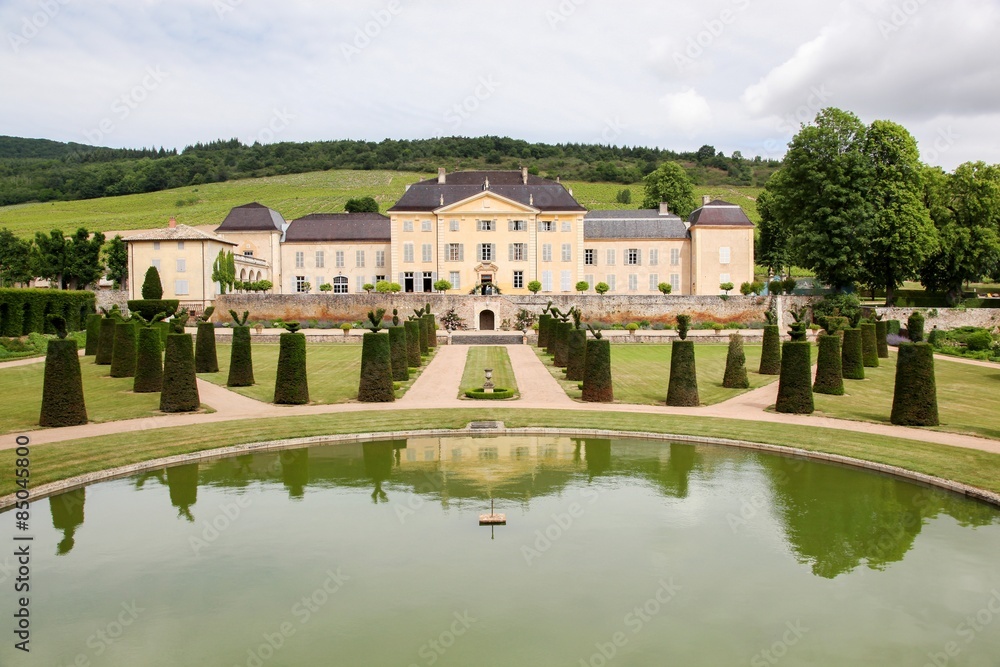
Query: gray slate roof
[370, 227]
[539, 192]
[252, 218]
[641, 224]
[720, 213]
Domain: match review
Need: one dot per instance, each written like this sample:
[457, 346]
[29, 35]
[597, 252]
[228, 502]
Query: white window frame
[407, 225]
[517, 226]
[359, 259]
[379, 259]
[633, 282]
[427, 252]
[455, 278]
[341, 285]
[300, 259]
[338, 256]
[300, 282]
[518, 280]
[654, 282]
[486, 252]
[654, 257]
[455, 252]
[408, 253]
[546, 226]
[425, 226]
[486, 225]
[518, 252]
[589, 257]
[546, 281]
[567, 252]
[633, 257]
[546, 252]
[725, 255]
[610, 255]
[565, 281]
[453, 225]
[675, 257]
[320, 259]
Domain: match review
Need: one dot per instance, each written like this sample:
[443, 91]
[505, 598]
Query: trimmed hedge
[152, 288]
[398, 354]
[597, 384]
[164, 329]
[560, 336]
[829, 376]
[206, 360]
[770, 354]
[882, 339]
[424, 337]
[93, 334]
[576, 361]
[375, 385]
[62, 387]
[23, 311]
[893, 327]
[735, 376]
[180, 384]
[543, 329]
[149, 363]
[124, 352]
[291, 385]
[412, 329]
[794, 386]
[432, 339]
[851, 356]
[914, 399]
[550, 339]
[106, 342]
[497, 395]
[915, 327]
[869, 345]
[682, 390]
[241, 359]
[150, 308]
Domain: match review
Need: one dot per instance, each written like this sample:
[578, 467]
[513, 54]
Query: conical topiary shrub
[149, 363]
[398, 354]
[560, 332]
[597, 384]
[424, 337]
[576, 362]
[375, 385]
[829, 378]
[291, 385]
[914, 400]
[241, 354]
[795, 382]
[93, 334]
[106, 342]
[432, 339]
[412, 329]
[882, 339]
[770, 354]
[152, 288]
[915, 327]
[852, 357]
[124, 352]
[735, 376]
[543, 329]
[869, 345]
[62, 386]
[682, 387]
[206, 359]
[180, 383]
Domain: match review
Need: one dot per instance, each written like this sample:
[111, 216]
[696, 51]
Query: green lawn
[334, 372]
[641, 373]
[482, 357]
[107, 398]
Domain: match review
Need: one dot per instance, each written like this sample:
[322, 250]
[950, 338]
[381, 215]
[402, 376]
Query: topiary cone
[62, 386]
[424, 337]
[882, 339]
[682, 390]
[576, 362]
[432, 339]
[914, 399]
[291, 386]
[543, 329]
[794, 390]
[869, 345]
[206, 360]
[829, 378]
[106, 342]
[241, 359]
[552, 335]
[376, 370]
[149, 364]
[852, 355]
[597, 384]
[560, 334]
[412, 329]
[124, 353]
[735, 376]
[180, 384]
[770, 354]
[93, 334]
[398, 354]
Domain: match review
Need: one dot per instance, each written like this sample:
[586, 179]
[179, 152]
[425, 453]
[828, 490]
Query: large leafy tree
[671, 184]
[15, 259]
[902, 234]
[821, 197]
[965, 207]
[772, 238]
[361, 205]
[224, 271]
[83, 259]
[48, 257]
[116, 258]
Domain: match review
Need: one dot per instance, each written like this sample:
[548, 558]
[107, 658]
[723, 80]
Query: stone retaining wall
[947, 318]
[106, 298]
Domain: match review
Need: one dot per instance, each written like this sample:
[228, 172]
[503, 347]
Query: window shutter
[461, 252]
[510, 252]
[493, 251]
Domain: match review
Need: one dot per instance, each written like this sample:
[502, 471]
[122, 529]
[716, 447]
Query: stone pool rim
[472, 429]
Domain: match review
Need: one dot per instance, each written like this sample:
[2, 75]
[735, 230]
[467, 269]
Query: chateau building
[489, 231]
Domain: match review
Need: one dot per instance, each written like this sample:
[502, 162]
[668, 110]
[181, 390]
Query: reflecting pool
[615, 552]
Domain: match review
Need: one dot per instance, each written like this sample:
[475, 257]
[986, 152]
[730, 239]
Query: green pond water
[614, 553]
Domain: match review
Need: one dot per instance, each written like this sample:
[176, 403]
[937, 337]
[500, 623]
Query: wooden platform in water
[492, 519]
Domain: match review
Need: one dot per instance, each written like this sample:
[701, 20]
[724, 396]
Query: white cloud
[686, 110]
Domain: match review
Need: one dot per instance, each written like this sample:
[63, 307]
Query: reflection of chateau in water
[67, 516]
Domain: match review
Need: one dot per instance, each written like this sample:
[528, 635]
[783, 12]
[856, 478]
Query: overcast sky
[737, 74]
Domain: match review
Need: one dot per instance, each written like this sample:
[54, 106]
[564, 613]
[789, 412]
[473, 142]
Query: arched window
[340, 285]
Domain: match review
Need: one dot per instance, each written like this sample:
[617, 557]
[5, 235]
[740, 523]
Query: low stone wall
[106, 298]
[947, 318]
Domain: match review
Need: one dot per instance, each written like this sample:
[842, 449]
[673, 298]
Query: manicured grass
[641, 373]
[34, 345]
[968, 397]
[334, 372]
[51, 462]
[482, 357]
[107, 398]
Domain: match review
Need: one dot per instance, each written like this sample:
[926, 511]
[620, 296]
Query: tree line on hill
[69, 262]
[41, 170]
[855, 204]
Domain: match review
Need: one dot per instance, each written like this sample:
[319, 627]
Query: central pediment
[486, 203]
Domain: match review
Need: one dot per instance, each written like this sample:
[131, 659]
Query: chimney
[706, 200]
[441, 173]
[524, 175]
[664, 208]
[173, 223]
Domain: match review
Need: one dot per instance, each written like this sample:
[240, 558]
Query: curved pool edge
[71, 483]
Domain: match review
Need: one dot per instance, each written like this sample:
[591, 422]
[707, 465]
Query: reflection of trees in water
[295, 471]
[67, 516]
[597, 454]
[183, 484]
[379, 458]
